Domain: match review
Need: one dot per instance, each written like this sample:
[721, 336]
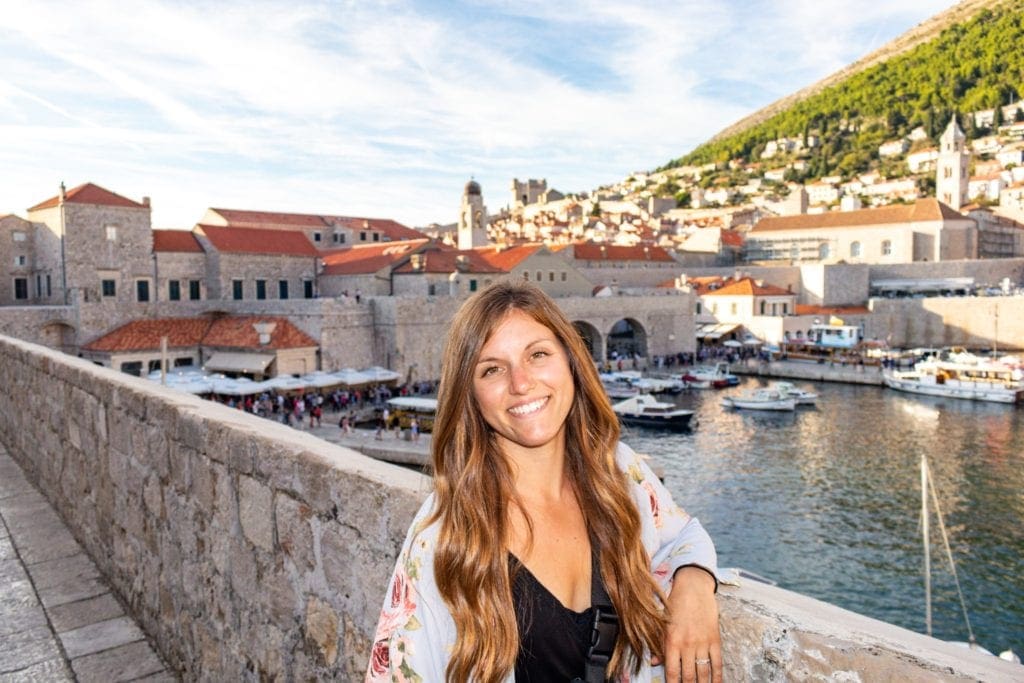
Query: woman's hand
[693, 646]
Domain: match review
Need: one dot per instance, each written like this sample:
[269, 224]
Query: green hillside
[970, 66]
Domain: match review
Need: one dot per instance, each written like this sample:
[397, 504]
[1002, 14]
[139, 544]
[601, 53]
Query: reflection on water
[826, 501]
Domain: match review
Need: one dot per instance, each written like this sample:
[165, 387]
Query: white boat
[760, 399]
[717, 375]
[646, 411]
[788, 389]
[967, 377]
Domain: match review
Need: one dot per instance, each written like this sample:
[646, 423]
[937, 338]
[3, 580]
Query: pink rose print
[655, 505]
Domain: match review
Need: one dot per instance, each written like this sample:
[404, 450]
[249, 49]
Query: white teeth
[528, 408]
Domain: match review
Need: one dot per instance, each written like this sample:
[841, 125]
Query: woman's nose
[522, 380]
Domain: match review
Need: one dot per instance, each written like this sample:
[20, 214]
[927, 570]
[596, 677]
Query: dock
[816, 372]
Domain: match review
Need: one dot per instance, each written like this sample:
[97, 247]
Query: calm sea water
[826, 501]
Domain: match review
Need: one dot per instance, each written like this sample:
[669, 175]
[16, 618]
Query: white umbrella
[351, 377]
[379, 374]
[731, 343]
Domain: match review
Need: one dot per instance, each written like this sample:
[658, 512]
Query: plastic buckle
[603, 636]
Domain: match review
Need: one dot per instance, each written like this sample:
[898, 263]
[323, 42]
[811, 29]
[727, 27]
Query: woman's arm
[684, 563]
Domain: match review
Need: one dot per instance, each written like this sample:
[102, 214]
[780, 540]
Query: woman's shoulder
[632, 463]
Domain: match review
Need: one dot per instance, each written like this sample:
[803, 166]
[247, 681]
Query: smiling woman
[548, 551]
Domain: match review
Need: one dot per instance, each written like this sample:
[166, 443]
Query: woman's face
[523, 385]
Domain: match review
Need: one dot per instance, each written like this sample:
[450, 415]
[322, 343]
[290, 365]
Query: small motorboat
[717, 376]
[803, 397]
[761, 399]
[646, 411]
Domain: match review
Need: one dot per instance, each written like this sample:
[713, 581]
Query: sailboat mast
[927, 548]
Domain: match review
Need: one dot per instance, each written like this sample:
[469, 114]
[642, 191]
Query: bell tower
[472, 218]
[951, 174]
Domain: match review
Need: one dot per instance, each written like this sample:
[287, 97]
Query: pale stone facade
[183, 269]
[297, 272]
[103, 244]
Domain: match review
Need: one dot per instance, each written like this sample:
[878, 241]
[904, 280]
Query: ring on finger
[702, 661]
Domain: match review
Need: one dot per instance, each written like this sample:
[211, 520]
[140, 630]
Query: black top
[553, 639]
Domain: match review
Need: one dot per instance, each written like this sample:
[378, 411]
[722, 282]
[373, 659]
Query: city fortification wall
[251, 551]
[974, 322]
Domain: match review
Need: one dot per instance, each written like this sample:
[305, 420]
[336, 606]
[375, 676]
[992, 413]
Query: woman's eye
[489, 371]
[540, 354]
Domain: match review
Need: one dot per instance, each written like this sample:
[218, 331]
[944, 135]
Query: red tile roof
[369, 258]
[89, 193]
[144, 335]
[257, 241]
[448, 261]
[732, 238]
[176, 241]
[920, 210]
[747, 286]
[275, 220]
[237, 332]
[507, 259]
[592, 251]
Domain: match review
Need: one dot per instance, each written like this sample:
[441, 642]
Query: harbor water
[826, 501]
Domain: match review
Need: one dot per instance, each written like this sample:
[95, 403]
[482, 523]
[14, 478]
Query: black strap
[605, 629]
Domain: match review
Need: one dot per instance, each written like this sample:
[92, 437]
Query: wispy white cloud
[385, 107]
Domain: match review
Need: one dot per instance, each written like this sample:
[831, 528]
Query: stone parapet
[252, 551]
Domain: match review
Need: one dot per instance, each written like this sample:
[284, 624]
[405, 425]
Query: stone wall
[251, 551]
[247, 550]
[969, 321]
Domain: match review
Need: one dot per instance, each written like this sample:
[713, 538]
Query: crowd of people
[308, 408]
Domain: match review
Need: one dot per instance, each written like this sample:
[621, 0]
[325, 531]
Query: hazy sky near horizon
[387, 108]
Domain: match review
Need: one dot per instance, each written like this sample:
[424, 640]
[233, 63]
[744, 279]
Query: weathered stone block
[256, 512]
[322, 629]
[294, 533]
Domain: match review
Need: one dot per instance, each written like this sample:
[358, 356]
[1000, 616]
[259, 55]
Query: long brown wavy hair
[474, 488]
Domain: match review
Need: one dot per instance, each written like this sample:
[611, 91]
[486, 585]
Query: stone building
[621, 266]
[18, 254]
[257, 347]
[323, 231]
[536, 263]
[96, 246]
[528, 191]
[926, 230]
[258, 263]
[365, 269]
[180, 266]
[437, 270]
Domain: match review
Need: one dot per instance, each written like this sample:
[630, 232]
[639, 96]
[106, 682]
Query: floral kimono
[416, 632]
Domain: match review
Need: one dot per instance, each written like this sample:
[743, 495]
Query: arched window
[763, 303]
[855, 250]
[887, 248]
[823, 251]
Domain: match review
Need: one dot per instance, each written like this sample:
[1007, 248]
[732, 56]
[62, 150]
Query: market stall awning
[237, 361]
[712, 331]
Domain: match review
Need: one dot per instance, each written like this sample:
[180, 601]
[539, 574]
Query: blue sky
[385, 109]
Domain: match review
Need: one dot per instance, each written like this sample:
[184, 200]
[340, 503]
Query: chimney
[145, 201]
[61, 193]
[264, 330]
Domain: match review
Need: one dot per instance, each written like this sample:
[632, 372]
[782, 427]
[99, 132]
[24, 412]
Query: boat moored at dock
[646, 411]
[961, 376]
[760, 399]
